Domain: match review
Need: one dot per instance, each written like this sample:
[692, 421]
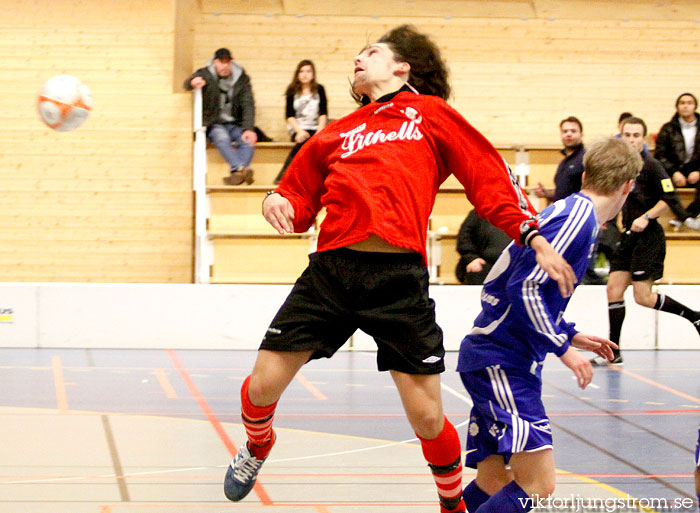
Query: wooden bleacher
[248, 250]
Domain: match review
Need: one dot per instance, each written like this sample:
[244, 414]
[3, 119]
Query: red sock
[444, 458]
[257, 421]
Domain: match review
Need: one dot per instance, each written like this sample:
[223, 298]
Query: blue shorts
[508, 415]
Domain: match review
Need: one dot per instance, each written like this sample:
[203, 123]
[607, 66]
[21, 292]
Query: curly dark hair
[429, 74]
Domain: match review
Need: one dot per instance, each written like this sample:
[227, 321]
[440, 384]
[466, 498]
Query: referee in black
[638, 258]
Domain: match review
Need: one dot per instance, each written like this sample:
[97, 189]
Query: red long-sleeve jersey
[378, 170]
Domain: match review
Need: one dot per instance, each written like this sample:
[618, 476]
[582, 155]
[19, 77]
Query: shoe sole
[231, 180]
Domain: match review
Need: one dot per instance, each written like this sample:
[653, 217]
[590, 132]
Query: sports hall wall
[112, 201]
[518, 67]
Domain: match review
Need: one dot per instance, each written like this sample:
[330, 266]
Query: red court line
[310, 387]
[258, 488]
[655, 384]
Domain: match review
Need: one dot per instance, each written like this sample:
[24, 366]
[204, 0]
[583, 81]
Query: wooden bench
[248, 250]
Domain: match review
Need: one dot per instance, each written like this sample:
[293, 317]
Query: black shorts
[383, 294]
[641, 253]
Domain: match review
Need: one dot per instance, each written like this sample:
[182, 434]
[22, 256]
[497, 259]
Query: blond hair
[609, 163]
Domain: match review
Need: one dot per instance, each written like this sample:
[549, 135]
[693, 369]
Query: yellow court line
[165, 384]
[655, 384]
[105, 509]
[60, 384]
[314, 391]
[604, 486]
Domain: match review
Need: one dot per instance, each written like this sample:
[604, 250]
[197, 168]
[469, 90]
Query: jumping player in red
[377, 171]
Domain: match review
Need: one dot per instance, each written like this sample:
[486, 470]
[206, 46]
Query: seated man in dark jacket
[479, 245]
[228, 112]
[678, 148]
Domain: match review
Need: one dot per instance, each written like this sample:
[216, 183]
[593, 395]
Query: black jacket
[567, 179]
[478, 238]
[243, 104]
[670, 147]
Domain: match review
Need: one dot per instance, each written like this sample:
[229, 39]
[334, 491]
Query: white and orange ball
[64, 103]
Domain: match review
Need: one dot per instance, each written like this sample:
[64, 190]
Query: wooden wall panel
[111, 201]
[544, 9]
[514, 79]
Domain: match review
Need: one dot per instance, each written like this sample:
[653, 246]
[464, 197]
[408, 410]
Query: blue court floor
[111, 431]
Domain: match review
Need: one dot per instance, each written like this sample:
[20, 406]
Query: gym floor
[124, 431]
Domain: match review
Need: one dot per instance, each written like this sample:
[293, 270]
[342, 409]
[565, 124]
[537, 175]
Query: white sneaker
[676, 224]
[693, 223]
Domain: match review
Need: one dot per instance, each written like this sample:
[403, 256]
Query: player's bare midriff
[375, 244]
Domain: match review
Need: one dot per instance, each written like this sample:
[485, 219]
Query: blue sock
[474, 496]
[511, 499]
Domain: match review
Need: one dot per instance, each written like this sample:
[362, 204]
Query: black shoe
[599, 361]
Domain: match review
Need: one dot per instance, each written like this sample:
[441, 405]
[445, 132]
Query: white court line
[457, 395]
[171, 471]
[592, 385]
[109, 476]
[447, 388]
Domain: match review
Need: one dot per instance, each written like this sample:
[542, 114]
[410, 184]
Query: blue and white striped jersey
[522, 309]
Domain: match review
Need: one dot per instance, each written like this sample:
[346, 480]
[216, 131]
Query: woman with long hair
[306, 111]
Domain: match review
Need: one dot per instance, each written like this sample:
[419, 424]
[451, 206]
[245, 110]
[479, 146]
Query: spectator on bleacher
[567, 179]
[307, 109]
[377, 171]
[479, 244]
[620, 119]
[678, 147]
[228, 112]
[639, 256]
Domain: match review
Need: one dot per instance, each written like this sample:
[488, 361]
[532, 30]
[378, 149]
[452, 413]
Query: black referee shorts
[383, 294]
[641, 253]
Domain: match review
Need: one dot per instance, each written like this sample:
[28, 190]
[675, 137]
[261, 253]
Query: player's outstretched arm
[554, 265]
[278, 211]
[579, 365]
[599, 345]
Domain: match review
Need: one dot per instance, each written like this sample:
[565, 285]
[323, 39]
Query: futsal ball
[64, 103]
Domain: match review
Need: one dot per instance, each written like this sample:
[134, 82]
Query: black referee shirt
[652, 184]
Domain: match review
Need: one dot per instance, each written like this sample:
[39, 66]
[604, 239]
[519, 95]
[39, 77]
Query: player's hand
[301, 136]
[599, 345]
[579, 365]
[476, 265]
[554, 265]
[198, 82]
[540, 191]
[639, 224]
[278, 211]
[250, 137]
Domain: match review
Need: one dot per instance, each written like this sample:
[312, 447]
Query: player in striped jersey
[500, 360]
